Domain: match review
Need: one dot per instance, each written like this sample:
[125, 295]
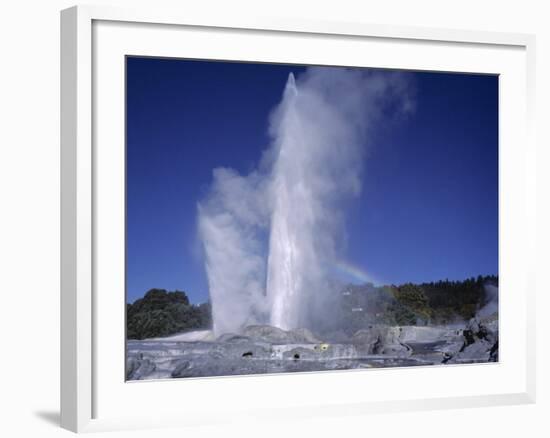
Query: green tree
[162, 313]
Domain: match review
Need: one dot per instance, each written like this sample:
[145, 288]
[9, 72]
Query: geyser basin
[266, 349]
[317, 218]
[295, 202]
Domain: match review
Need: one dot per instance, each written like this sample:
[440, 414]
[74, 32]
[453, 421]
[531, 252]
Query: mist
[272, 237]
[491, 302]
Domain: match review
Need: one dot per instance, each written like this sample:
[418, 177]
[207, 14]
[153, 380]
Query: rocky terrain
[265, 349]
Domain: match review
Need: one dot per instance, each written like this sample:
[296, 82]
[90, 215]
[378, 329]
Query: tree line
[162, 313]
[440, 302]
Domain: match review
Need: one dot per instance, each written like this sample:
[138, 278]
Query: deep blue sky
[429, 207]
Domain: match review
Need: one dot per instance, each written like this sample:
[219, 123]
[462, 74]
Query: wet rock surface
[265, 349]
[480, 343]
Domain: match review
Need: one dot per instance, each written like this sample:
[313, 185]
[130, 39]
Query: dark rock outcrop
[381, 340]
[480, 344]
[274, 335]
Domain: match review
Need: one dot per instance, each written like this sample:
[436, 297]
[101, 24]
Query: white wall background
[29, 215]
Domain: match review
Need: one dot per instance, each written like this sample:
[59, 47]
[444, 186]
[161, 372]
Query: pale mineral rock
[262, 349]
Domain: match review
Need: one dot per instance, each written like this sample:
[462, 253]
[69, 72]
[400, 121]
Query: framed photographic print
[291, 218]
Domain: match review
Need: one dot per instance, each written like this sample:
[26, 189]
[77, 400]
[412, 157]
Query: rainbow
[355, 272]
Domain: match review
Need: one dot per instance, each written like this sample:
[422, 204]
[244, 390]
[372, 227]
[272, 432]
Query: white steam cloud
[491, 302]
[271, 237]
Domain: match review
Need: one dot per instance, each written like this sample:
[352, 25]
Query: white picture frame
[93, 390]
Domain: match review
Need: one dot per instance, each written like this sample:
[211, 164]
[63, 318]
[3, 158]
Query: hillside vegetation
[162, 313]
[434, 303]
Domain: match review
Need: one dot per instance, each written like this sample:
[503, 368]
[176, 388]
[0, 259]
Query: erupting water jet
[271, 237]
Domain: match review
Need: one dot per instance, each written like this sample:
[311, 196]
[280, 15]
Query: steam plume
[491, 305]
[270, 237]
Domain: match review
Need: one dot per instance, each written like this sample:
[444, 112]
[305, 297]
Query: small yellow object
[324, 347]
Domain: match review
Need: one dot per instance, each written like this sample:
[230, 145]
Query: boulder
[275, 335]
[303, 335]
[479, 351]
[480, 344]
[267, 333]
[380, 340]
[233, 337]
[419, 334]
[139, 368]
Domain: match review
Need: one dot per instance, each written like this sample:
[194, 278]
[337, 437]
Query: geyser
[271, 237]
